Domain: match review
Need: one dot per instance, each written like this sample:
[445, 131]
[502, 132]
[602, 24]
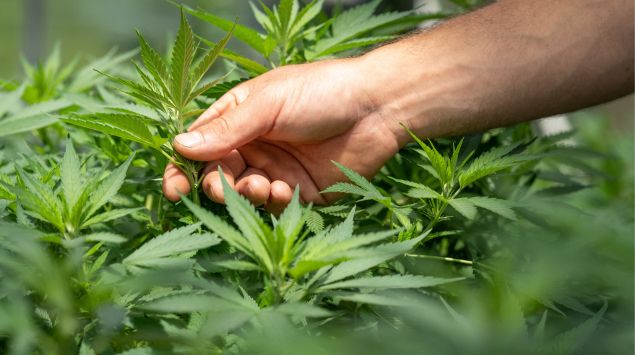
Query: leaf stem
[440, 258]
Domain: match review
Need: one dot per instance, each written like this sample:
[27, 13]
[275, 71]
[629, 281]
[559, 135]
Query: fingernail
[250, 190]
[190, 140]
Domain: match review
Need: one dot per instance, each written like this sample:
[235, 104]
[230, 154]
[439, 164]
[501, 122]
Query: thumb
[236, 127]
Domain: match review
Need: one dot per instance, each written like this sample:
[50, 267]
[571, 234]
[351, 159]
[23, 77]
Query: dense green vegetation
[499, 242]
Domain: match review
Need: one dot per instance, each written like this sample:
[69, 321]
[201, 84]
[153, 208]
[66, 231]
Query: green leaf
[285, 10]
[572, 340]
[108, 188]
[512, 314]
[13, 229]
[11, 100]
[424, 193]
[539, 334]
[182, 56]
[390, 282]
[254, 230]
[305, 16]
[237, 265]
[372, 258]
[245, 34]
[436, 159]
[155, 65]
[38, 109]
[208, 60]
[134, 109]
[219, 90]
[220, 227]
[353, 23]
[70, 177]
[300, 309]
[248, 64]
[49, 206]
[501, 207]
[464, 207]
[176, 241]
[110, 215]
[368, 298]
[105, 237]
[369, 191]
[290, 224]
[87, 77]
[354, 43]
[9, 127]
[189, 304]
[122, 125]
[315, 222]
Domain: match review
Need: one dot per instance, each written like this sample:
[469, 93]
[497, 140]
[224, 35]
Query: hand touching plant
[170, 91]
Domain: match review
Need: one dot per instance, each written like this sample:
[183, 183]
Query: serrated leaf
[155, 65]
[87, 77]
[9, 127]
[501, 207]
[305, 16]
[70, 177]
[237, 265]
[315, 222]
[189, 304]
[464, 207]
[373, 257]
[49, 204]
[108, 188]
[110, 215]
[569, 342]
[245, 34]
[368, 298]
[176, 241]
[220, 227]
[353, 23]
[121, 125]
[38, 109]
[13, 229]
[182, 56]
[258, 234]
[208, 60]
[248, 64]
[424, 193]
[391, 282]
[10, 101]
[105, 237]
[300, 309]
[355, 43]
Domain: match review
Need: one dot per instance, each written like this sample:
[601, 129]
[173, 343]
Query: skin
[510, 62]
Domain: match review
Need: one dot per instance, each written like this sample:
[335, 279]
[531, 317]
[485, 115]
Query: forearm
[507, 63]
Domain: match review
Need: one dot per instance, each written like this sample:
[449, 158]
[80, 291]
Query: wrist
[413, 82]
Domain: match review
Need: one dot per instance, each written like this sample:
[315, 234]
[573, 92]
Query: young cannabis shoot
[171, 91]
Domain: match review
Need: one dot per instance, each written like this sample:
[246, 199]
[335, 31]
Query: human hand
[282, 129]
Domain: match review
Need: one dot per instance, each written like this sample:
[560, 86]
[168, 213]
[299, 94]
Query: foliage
[496, 242]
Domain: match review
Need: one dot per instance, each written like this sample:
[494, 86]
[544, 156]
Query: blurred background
[92, 27]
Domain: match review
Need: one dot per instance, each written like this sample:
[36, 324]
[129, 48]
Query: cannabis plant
[296, 34]
[70, 205]
[170, 92]
[284, 251]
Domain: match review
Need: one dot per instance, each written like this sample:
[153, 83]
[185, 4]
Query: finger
[232, 165]
[242, 124]
[279, 197]
[226, 102]
[255, 185]
[174, 180]
[280, 165]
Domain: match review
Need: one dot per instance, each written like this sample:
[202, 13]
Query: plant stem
[441, 258]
